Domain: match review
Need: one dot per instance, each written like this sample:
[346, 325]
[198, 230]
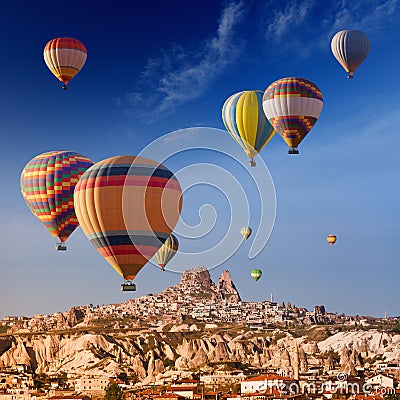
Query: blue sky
[157, 67]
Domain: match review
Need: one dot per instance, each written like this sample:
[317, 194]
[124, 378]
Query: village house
[381, 381]
[261, 383]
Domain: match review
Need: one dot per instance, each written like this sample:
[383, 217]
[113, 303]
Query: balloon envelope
[47, 185]
[350, 48]
[127, 207]
[65, 57]
[245, 232]
[245, 121]
[167, 251]
[292, 106]
[256, 274]
[331, 239]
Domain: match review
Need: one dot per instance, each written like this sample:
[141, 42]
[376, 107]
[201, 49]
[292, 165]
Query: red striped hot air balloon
[65, 57]
[127, 207]
[47, 185]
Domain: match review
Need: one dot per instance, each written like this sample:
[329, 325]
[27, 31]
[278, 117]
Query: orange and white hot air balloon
[331, 239]
[65, 57]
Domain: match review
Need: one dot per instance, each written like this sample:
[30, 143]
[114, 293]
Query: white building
[381, 381]
[263, 382]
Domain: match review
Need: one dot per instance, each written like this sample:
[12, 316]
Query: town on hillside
[199, 340]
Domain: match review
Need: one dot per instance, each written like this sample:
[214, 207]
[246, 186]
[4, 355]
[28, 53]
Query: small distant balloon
[256, 274]
[245, 232]
[65, 57]
[166, 252]
[350, 48]
[331, 239]
[245, 121]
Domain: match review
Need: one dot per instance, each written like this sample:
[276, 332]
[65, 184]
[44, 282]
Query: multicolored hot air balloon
[256, 274]
[127, 207]
[47, 185]
[350, 48]
[331, 239]
[65, 57]
[292, 106]
[245, 232]
[245, 121]
[166, 252]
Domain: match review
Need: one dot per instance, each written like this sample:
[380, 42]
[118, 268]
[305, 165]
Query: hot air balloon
[47, 185]
[350, 48]
[166, 252]
[256, 274]
[127, 207]
[245, 121]
[245, 232]
[65, 57]
[292, 106]
[331, 239]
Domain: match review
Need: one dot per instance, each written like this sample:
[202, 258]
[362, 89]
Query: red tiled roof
[169, 396]
[187, 380]
[269, 377]
[180, 388]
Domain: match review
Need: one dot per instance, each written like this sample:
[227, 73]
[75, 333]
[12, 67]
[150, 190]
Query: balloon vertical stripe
[245, 121]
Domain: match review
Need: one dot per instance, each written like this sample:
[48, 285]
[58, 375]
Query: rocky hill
[153, 355]
[155, 336]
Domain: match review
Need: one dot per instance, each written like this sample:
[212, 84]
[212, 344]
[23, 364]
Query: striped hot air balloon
[256, 274]
[292, 106]
[167, 251]
[65, 57]
[331, 239]
[47, 185]
[245, 121]
[127, 207]
[350, 48]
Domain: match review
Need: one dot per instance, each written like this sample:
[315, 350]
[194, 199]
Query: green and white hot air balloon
[256, 274]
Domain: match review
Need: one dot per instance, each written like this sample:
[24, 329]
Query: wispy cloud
[289, 17]
[287, 26]
[368, 15]
[180, 74]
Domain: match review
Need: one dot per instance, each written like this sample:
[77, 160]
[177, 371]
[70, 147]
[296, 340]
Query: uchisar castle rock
[197, 324]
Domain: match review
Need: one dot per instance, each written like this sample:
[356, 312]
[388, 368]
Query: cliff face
[151, 355]
[199, 279]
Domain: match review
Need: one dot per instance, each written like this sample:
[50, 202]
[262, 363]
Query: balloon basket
[60, 247]
[128, 287]
[293, 151]
[252, 163]
[64, 87]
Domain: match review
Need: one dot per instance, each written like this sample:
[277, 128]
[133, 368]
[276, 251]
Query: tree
[113, 392]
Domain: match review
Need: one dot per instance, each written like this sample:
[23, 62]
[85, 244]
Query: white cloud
[179, 75]
[287, 26]
[285, 19]
[368, 15]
